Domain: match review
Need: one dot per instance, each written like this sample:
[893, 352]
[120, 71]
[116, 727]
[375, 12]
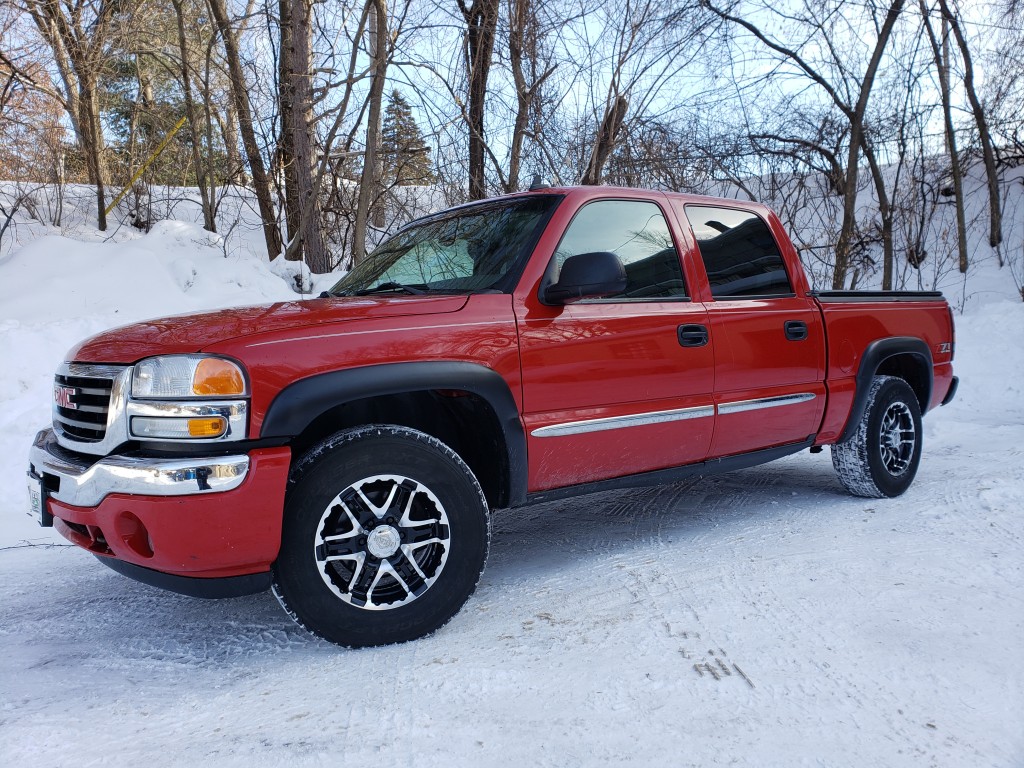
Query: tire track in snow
[870, 691]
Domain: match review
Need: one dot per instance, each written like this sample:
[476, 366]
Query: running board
[673, 474]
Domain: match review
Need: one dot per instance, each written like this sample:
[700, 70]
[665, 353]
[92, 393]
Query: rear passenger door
[769, 341]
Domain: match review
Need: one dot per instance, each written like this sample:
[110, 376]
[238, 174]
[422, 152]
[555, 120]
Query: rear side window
[741, 257]
[636, 232]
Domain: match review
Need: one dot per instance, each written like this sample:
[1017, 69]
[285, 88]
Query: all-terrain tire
[880, 457]
[386, 532]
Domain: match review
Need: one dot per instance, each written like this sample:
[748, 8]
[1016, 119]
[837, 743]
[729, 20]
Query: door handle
[796, 330]
[692, 335]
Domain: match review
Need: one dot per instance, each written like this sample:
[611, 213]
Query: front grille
[88, 422]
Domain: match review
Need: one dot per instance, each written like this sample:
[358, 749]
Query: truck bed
[827, 297]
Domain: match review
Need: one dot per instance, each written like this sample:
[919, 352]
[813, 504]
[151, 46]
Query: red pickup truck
[346, 450]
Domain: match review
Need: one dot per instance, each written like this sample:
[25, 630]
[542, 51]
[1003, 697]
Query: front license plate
[37, 501]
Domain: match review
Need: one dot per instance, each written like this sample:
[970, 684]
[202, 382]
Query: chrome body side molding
[620, 422]
[740, 406]
[661, 417]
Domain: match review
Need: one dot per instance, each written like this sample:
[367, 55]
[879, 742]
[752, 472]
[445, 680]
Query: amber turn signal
[216, 376]
[207, 427]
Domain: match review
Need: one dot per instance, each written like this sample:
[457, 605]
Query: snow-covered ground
[757, 618]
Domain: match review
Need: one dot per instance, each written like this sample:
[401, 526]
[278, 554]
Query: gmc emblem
[64, 397]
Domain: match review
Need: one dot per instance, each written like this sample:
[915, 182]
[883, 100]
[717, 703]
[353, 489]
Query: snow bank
[55, 291]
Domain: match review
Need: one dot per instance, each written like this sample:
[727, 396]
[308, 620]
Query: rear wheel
[385, 536]
[880, 458]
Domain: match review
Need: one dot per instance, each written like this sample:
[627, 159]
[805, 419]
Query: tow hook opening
[88, 537]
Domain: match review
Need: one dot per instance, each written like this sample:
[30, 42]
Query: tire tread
[342, 440]
[851, 458]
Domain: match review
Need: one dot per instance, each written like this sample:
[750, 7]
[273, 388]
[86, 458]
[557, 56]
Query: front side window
[478, 248]
[741, 257]
[638, 234]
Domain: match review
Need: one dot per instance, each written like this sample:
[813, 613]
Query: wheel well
[905, 357]
[913, 370]
[464, 421]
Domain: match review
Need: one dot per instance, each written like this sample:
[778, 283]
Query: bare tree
[78, 34]
[894, 128]
[642, 48]
[369, 183]
[285, 154]
[940, 52]
[529, 72]
[339, 72]
[481, 18]
[242, 108]
[306, 242]
[204, 180]
[607, 137]
[952, 21]
[849, 93]
[1004, 85]
[32, 146]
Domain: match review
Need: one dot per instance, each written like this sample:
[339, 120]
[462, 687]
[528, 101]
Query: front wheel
[880, 458]
[385, 536]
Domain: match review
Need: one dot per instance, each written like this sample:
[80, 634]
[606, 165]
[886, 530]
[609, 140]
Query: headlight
[188, 397]
[188, 376]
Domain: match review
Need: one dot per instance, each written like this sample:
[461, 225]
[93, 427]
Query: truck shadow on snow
[95, 608]
[707, 510]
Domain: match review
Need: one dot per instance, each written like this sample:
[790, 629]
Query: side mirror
[587, 276]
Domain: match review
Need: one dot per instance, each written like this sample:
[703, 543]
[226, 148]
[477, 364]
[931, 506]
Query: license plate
[37, 501]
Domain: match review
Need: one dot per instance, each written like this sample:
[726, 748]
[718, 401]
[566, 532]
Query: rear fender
[904, 356]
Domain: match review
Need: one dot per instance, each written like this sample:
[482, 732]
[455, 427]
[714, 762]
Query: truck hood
[193, 332]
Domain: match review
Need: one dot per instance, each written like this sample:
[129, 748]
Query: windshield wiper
[391, 286]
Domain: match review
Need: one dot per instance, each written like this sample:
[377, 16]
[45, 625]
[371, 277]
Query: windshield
[473, 249]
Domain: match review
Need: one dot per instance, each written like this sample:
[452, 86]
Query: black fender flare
[876, 353]
[295, 407]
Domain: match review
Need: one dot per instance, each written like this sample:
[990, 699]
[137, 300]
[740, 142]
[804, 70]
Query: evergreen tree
[405, 157]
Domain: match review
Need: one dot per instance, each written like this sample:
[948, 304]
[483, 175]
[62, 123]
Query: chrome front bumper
[83, 482]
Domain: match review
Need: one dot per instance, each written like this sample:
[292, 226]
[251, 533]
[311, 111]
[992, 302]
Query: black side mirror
[587, 276]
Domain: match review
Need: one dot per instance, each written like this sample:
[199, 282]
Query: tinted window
[638, 234]
[740, 255]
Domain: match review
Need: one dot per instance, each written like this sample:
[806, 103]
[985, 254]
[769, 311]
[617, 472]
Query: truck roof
[582, 193]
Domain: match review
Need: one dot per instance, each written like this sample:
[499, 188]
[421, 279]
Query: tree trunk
[942, 64]
[516, 149]
[213, 172]
[369, 183]
[481, 24]
[519, 12]
[995, 231]
[522, 49]
[886, 212]
[194, 124]
[604, 142]
[856, 118]
[308, 240]
[91, 140]
[240, 98]
[286, 149]
[236, 168]
[76, 35]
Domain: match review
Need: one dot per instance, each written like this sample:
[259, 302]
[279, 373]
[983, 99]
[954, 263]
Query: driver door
[623, 384]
